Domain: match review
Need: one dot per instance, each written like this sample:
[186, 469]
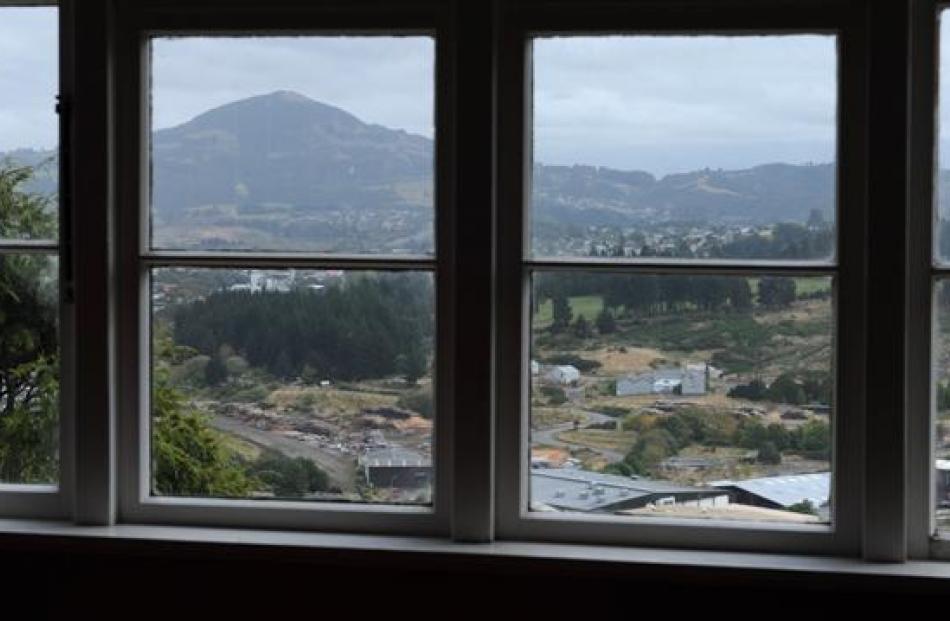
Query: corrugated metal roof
[389, 457]
[786, 490]
[581, 490]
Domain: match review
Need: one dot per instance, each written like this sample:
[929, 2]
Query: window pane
[29, 369]
[942, 184]
[942, 400]
[685, 146]
[682, 396]
[29, 127]
[320, 144]
[312, 385]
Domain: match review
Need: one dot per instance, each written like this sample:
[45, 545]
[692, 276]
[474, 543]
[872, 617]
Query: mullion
[262, 263]
[663, 268]
[51, 249]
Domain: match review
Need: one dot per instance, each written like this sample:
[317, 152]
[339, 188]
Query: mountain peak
[289, 97]
[291, 106]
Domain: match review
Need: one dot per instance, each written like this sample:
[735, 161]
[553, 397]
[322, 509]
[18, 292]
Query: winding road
[549, 436]
[341, 469]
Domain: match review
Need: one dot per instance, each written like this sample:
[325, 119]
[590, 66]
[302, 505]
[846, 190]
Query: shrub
[581, 364]
[289, 477]
[769, 454]
[418, 401]
[555, 394]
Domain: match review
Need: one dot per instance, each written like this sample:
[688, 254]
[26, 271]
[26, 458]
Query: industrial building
[782, 492]
[396, 468]
[593, 492]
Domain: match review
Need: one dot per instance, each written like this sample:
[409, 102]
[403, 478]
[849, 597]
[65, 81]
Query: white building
[688, 380]
[562, 374]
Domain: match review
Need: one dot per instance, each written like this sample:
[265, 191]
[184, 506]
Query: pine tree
[605, 322]
[561, 313]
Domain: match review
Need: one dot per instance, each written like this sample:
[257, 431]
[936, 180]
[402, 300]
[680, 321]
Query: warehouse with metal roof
[594, 492]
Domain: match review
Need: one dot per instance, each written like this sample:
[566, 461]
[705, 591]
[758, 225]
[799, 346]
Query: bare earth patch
[614, 361]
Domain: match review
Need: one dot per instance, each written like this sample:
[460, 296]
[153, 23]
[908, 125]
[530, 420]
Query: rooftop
[786, 490]
[581, 490]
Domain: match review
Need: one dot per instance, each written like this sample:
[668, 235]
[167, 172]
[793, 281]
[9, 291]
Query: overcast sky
[662, 104]
[28, 77]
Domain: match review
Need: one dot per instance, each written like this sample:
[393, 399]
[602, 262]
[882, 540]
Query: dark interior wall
[147, 580]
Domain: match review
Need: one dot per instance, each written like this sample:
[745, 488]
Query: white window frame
[883, 501]
[136, 24]
[924, 275]
[520, 23]
[51, 500]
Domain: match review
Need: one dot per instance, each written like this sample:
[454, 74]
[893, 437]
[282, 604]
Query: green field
[588, 306]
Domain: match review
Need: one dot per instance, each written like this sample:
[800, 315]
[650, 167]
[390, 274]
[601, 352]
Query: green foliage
[620, 468]
[650, 449]
[189, 458]
[29, 433]
[581, 328]
[288, 477]
[943, 396]
[791, 387]
[754, 391]
[373, 327]
[805, 506]
[23, 215]
[418, 401]
[216, 371]
[786, 390]
[769, 454]
[613, 410]
[555, 394]
[581, 364]
[776, 292]
[413, 364]
[606, 324]
[29, 385]
[561, 313]
[816, 440]
[697, 426]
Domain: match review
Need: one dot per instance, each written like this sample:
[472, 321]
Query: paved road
[341, 469]
[549, 436]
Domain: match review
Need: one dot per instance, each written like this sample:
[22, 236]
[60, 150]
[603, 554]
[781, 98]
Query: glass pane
[29, 127]
[942, 183]
[29, 369]
[310, 385]
[682, 396]
[685, 146]
[321, 144]
[942, 400]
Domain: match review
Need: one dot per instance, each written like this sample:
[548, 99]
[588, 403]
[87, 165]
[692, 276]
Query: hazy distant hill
[287, 172]
[763, 194]
[284, 148]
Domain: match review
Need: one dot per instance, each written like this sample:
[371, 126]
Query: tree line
[370, 327]
[648, 294]
[659, 440]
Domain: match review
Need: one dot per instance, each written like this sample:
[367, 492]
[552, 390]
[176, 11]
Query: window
[687, 393]
[32, 451]
[629, 273]
[288, 274]
[684, 374]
